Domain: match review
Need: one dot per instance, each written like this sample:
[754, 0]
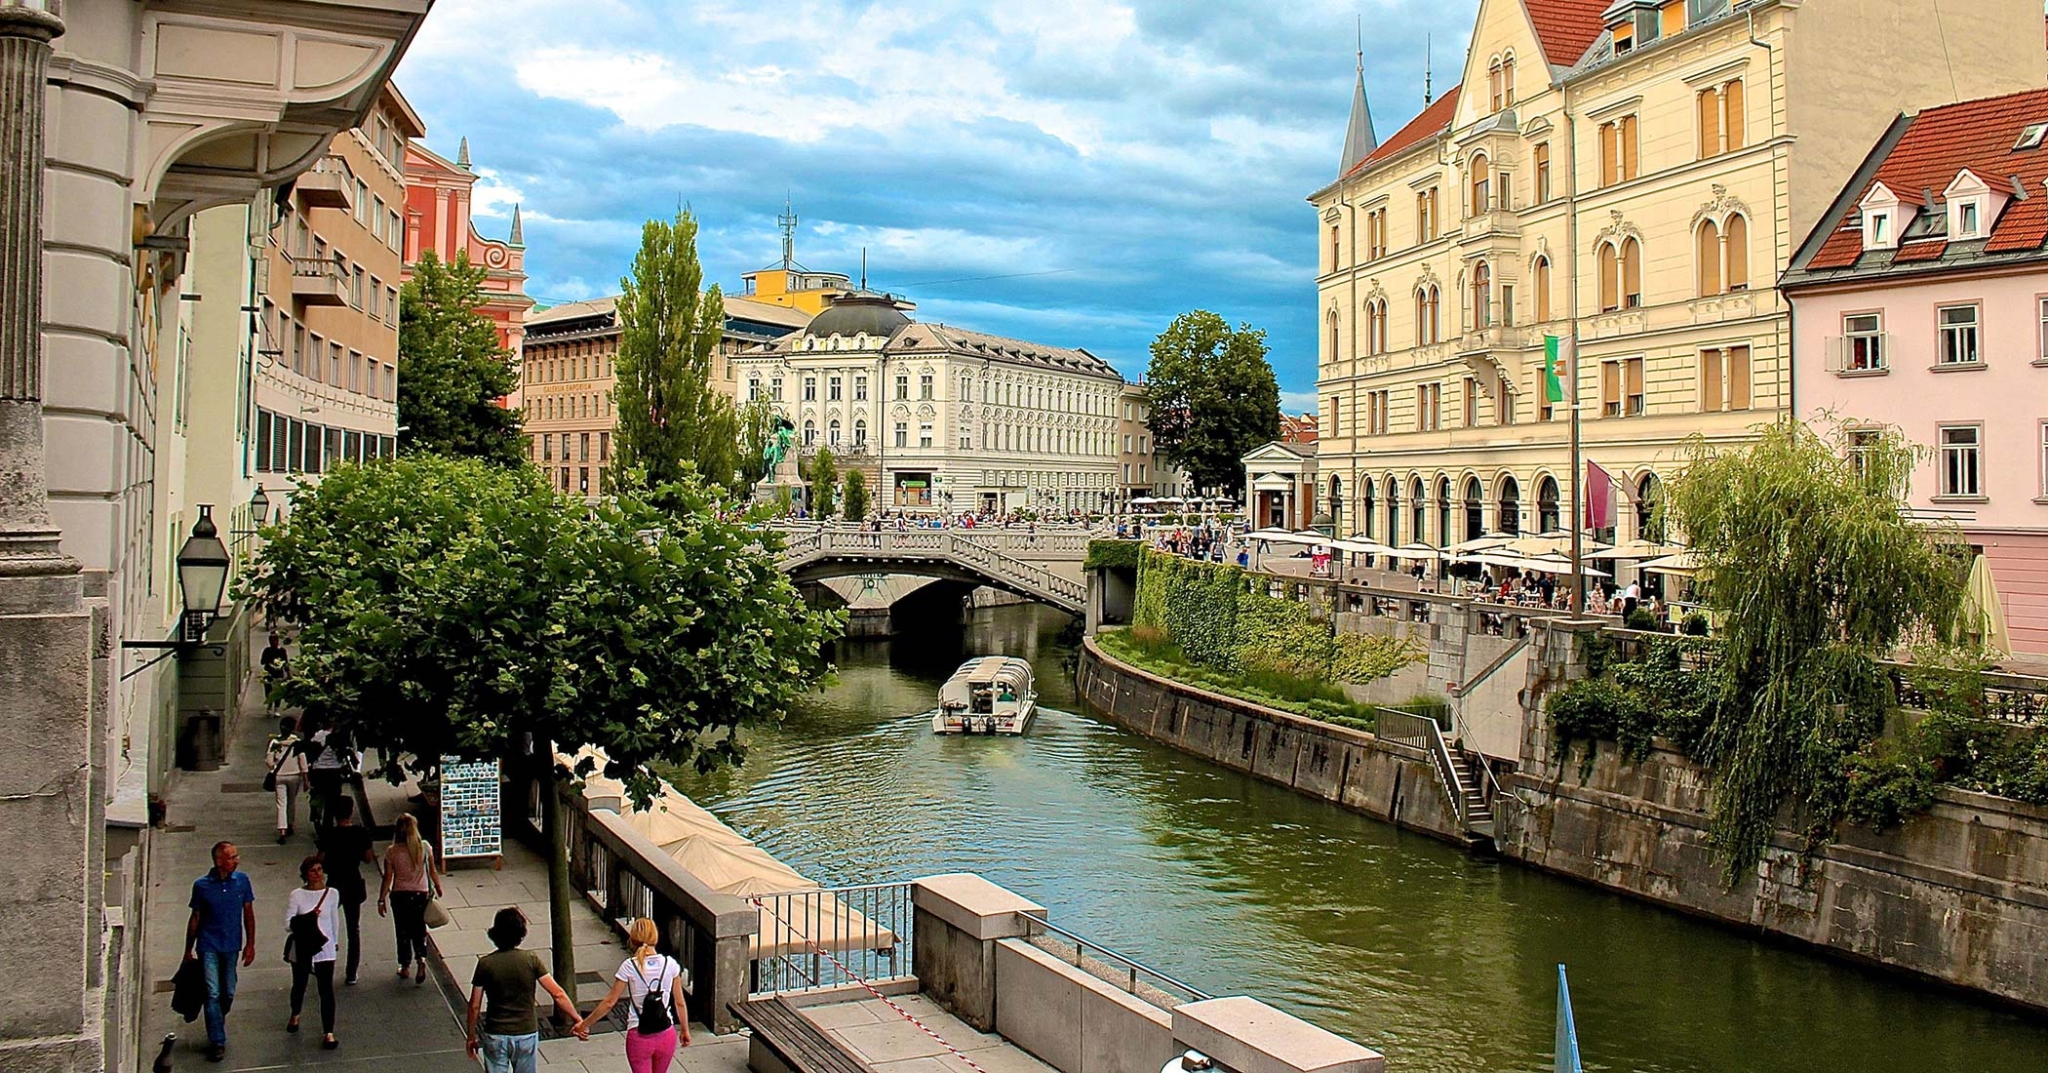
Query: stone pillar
[46, 712]
[957, 920]
[1244, 1035]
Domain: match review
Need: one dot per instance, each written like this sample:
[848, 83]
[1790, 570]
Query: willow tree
[671, 419]
[1807, 550]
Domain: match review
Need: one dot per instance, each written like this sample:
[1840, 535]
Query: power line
[978, 279]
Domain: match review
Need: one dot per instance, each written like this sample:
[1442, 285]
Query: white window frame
[1950, 456]
[1949, 336]
[1859, 358]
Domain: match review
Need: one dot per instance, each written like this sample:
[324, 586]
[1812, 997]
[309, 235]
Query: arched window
[1510, 506]
[1631, 273]
[810, 432]
[1336, 504]
[1539, 277]
[1507, 80]
[1738, 253]
[1546, 506]
[1379, 340]
[1427, 328]
[1610, 278]
[1482, 185]
[1707, 257]
[1365, 506]
[1475, 510]
[1443, 512]
[1393, 513]
[860, 432]
[1493, 84]
[1482, 295]
[1330, 355]
[1418, 511]
[1372, 326]
[1649, 490]
[832, 433]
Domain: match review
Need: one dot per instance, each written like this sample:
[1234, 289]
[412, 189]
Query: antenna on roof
[787, 221]
[1428, 40]
[1361, 43]
[863, 268]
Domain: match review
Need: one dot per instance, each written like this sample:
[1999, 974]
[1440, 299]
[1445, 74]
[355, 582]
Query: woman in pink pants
[649, 981]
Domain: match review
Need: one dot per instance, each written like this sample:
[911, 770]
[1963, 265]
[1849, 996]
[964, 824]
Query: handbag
[434, 915]
[303, 938]
[270, 779]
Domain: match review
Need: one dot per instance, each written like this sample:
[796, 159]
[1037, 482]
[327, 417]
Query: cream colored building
[1632, 174]
[957, 420]
[1141, 470]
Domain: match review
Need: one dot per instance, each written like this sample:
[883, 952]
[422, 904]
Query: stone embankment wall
[1381, 779]
[1959, 895]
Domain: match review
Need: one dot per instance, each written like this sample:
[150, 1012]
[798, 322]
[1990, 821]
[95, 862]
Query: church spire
[518, 230]
[462, 155]
[1359, 139]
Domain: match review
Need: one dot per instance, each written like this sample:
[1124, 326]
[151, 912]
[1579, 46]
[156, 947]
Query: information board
[470, 822]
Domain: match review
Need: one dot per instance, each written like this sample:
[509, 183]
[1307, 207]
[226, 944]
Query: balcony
[328, 186]
[319, 281]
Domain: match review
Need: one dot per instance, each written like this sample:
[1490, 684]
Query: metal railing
[1134, 976]
[1426, 734]
[832, 937]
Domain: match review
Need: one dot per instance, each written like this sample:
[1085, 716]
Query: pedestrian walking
[410, 879]
[310, 937]
[345, 848]
[287, 773]
[656, 1021]
[326, 771]
[503, 1023]
[223, 924]
[275, 665]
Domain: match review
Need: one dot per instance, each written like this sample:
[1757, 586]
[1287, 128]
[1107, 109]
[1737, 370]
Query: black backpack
[654, 1018]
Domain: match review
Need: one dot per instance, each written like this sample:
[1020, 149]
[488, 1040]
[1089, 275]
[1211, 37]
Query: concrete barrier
[1244, 1035]
[956, 921]
[1073, 1021]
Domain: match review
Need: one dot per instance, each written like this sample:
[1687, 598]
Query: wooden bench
[785, 1041]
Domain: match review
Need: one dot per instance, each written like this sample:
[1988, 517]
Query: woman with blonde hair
[657, 1021]
[410, 880]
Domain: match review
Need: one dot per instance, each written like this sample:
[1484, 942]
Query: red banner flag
[1600, 502]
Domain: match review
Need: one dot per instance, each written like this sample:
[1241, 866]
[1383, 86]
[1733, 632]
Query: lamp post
[203, 565]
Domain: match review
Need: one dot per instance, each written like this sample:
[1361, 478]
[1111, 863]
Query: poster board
[471, 825]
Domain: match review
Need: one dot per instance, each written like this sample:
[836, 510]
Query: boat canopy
[992, 678]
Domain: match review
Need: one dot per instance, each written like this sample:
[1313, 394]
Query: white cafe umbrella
[1416, 550]
[1551, 543]
[1685, 563]
[1359, 546]
[1985, 616]
[1557, 564]
[1638, 549]
[1283, 536]
[1482, 542]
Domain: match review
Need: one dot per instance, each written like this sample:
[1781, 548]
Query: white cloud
[1299, 402]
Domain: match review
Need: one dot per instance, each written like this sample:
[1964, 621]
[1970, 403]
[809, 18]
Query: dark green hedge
[1120, 554]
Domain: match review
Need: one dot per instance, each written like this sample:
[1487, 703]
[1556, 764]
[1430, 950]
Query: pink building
[437, 200]
[1920, 301]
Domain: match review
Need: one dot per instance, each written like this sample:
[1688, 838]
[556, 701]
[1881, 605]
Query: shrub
[1888, 782]
[1693, 625]
[1114, 554]
[1640, 619]
[1591, 709]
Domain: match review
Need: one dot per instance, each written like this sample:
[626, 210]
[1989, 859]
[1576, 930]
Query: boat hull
[1010, 723]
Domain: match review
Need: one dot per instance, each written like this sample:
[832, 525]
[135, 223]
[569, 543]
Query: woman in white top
[645, 973]
[310, 957]
[288, 765]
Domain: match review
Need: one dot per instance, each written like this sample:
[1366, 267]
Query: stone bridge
[1039, 566]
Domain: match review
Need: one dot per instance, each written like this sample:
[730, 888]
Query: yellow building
[1628, 174]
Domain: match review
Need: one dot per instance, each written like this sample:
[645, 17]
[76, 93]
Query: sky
[1073, 172]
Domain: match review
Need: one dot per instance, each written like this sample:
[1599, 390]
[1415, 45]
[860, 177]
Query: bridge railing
[986, 556]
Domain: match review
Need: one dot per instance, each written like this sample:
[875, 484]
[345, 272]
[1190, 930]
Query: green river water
[1443, 962]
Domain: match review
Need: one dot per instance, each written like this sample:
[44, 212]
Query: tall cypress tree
[671, 420]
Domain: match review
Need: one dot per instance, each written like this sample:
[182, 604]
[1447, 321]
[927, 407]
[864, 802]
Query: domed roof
[860, 313]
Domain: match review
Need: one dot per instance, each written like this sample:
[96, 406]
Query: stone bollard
[1244, 1035]
[956, 921]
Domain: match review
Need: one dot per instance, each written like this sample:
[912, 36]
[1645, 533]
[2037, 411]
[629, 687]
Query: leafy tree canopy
[1212, 397]
[671, 420]
[451, 370]
[1808, 551]
[824, 475]
[449, 607]
[856, 495]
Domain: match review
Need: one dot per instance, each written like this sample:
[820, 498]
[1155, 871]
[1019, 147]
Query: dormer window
[1877, 231]
[1968, 216]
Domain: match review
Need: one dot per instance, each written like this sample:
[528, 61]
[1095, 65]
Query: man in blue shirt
[223, 924]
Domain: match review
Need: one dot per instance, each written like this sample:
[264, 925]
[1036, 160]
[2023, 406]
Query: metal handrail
[1132, 966]
[1424, 733]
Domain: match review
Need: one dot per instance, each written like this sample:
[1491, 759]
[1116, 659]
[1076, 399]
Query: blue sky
[1117, 164]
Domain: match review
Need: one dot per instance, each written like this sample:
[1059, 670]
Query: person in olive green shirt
[509, 1032]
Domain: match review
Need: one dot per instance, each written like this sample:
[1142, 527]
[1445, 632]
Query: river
[1444, 963]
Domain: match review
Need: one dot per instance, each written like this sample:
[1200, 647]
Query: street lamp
[259, 506]
[203, 565]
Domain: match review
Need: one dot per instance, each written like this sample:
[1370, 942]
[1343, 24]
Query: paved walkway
[892, 1044]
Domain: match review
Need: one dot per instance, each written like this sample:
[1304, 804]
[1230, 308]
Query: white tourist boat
[987, 695]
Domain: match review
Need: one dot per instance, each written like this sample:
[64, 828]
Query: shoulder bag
[303, 938]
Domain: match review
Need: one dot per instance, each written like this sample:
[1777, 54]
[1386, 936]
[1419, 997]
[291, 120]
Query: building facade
[1922, 306]
[569, 370]
[1142, 472]
[438, 193]
[126, 123]
[957, 420]
[1629, 176]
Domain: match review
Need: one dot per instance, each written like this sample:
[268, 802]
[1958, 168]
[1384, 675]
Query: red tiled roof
[1840, 250]
[1920, 251]
[1434, 120]
[2023, 227]
[1566, 28]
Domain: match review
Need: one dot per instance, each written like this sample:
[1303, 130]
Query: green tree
[671, 419]
[1806, 547]
[1211, 397]
[447, 607]
[452, 373]
[856, 495]
[757, 428]
[824, 475]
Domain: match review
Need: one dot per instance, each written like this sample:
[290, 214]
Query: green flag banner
[1553, 387]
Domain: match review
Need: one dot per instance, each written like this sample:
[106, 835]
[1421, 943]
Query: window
[860, 432]
[1618, 150]
[775, 389]
[832, 385]
[1724, 379]
[1426, 215]
[810, 389]
[832, 433]
[604, 446]
[1503, 400]
[1429, 407]
[1621, 388]
[1471, 403]
[1507, 79]
[1958, 344]
[1539, 278]
[1376, 232]
[1481, 176]
[1507, 304]
[924, 386]
[1336, 250]
[902, 386]
[1631, 274]
[810, 433]
[1737, 242]
[1878, 233]
[1707, 257]
[1610, 278]
[1540, 156]
[1428, 327]
[924, 435]
[1330, 351]
[1721, 119]
[1962, 460]
[902, 434]
[1863, 342]
[860, 388]
[966, 387]
[2044, 459]
[1967, 219]
[1493, 85]
[583, 447]
[2043, 333]
[1482, 295]
[1376, 404]
[753, 389]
